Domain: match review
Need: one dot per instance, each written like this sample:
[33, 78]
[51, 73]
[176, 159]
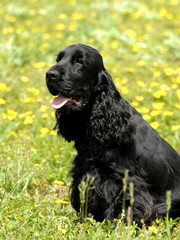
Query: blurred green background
[140, 45]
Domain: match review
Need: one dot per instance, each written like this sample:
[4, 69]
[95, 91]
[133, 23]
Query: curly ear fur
[108, 122]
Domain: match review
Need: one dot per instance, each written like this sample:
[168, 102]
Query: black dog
[110, 136]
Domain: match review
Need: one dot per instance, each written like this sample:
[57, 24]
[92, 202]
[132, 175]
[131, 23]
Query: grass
[139, 41]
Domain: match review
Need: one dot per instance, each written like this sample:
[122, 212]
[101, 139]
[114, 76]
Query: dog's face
[74, 77]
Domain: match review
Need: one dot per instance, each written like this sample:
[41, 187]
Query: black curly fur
[110, 137]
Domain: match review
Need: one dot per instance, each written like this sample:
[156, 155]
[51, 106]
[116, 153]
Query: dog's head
[74, 78]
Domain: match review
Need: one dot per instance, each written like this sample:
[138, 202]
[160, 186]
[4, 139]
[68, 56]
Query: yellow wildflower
[146, 117]
[153, 229]
[154, 84]
[136, 47]
[60, 26]
[2, 101]
[72, 26]
[155, 113]
[177, 106]
[44, 131]
[24, 79]
[114, 44]
[168, 113]
[141, 63]
[41, 216]
[4, 87]
[12, 133]
[39, 64]
[37, 164]
[157, 74]
[52, 132]
[140, 83]
[169, 71]
[62, 230]
[154, 124]
[61, 201]
[158, 105]
[44, 115]
[139, 98]
[58, 182]
[160, 93]
[175, 127]
[28, 120]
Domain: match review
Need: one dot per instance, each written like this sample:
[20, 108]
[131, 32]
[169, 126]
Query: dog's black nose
[52, 74]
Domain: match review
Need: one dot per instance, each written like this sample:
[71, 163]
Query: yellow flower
[157, 74]
[178, 79]
[155, 113]
[44, 160]
[169, 71]
[37, 164]
[52, 132]
[154, 124]
[11, 114]
[154, 84]
[124, 90]
[58, 182]
[44, 115]
[168, 113]
[174, 86]
[139, 98]
[24, 79]
[124, 81]
[4, 87]
[62, 230]
[114, 44]
[41, 216]
[136, 47]
[158, 105]
[160, 93]
[78, 16]
[146, 117]
[39, 64]
[140, 83]
[144, 109]
[141, 63]
[135, 104]
[12, 133]
[44, 131]
[177, 106]
[72, 26]
[129, 69]
[44, 46]
[27, 100]
[61, 201]
[175, 127]
[131, 33]
[2, 101]
[153, 229]
[28, 120]
[60, 26]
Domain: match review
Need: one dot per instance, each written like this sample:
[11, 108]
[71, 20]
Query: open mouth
[60, 101]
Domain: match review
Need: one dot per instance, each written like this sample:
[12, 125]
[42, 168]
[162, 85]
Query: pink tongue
[59, 101]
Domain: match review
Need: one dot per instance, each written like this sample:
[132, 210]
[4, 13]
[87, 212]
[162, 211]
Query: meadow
[140, 44]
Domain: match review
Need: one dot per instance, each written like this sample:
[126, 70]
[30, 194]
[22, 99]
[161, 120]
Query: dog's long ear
[104, 81]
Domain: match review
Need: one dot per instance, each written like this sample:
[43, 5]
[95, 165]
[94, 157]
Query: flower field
[140, 45]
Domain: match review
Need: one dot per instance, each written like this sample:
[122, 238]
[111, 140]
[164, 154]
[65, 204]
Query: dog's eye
[78, 60]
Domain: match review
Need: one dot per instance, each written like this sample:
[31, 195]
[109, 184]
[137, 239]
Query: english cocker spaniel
[110, 136]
